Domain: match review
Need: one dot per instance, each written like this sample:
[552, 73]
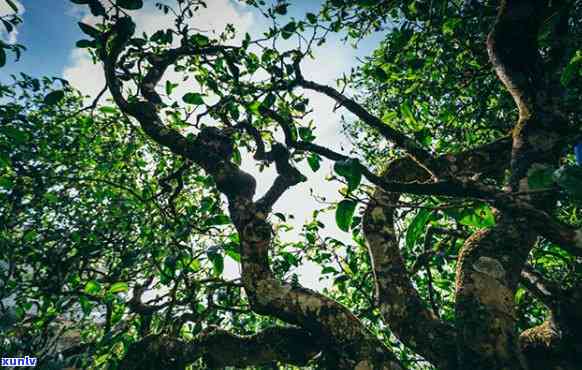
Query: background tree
[460, 193]
[10, 20]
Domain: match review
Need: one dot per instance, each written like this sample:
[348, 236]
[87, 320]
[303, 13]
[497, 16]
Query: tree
[9, 22]
[461, 194]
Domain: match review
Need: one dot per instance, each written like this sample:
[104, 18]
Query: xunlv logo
[19, 361]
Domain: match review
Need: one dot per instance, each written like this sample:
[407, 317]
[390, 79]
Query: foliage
[10, 22]
[114, 231]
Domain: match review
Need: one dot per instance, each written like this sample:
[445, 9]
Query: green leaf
[540, 178]
[449, 26]
[218, 220]
[232, 250]
[51, 198]
[200, 39]
[351, 170]
[314, 162]
[12, 5]
[170, 86]
[570, 178]
[108, 110]
[193, 98]
[269, 101]
[86, 305]
[341, 279]
[138, 42]
[290, 258]
[17, 136]
[344, 214]
[306, 134]
[96, 8]
[85, 44]
[217, 261]
[280, 216]
[7, 25]
[101, 360]
[194, 265]
[125, 28]
[54, 97]
[301, 107]
[380, 74]
[236, 157]
[281, 8]
[130, 4]
[6, 183]
[417, 227]
[92, 287]
[89, 30]
[520, 295]
[408, 116]
[254, 107]
[574, 66]
[312, 18]
[328, 270]
[480, 216]
[119, 287]
[2, 57]
[288, 30]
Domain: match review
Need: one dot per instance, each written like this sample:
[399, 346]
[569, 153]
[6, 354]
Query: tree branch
[402, 308]
[219, 348]
[557, 343]
[491, 261]
[411, 146]
[351, 344]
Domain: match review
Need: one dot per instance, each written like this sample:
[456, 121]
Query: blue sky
[50, 31]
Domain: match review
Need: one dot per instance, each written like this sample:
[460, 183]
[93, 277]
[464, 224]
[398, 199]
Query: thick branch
[288, 176]
[402, 308]
[401, 305]
[220, 348]
[349, 342]
[491, 261]
[557, 343]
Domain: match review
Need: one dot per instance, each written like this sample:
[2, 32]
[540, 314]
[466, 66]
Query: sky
[49, 32]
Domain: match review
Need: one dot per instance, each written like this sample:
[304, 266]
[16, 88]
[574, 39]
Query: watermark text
[18, 361]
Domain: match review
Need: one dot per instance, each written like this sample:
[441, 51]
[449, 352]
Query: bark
[491, 261]
[350, 344]
[402, 308]
[557, 343]
[219, 348]
[488, 270]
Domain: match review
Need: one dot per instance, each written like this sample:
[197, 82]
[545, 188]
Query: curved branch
[350, 342]
[411, 146]
[402, 308]
[557, 343]
[219, 348]
[491, 261]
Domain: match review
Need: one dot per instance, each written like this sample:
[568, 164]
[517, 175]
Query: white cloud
[83, 74]
[88, 78]
[6, 10]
